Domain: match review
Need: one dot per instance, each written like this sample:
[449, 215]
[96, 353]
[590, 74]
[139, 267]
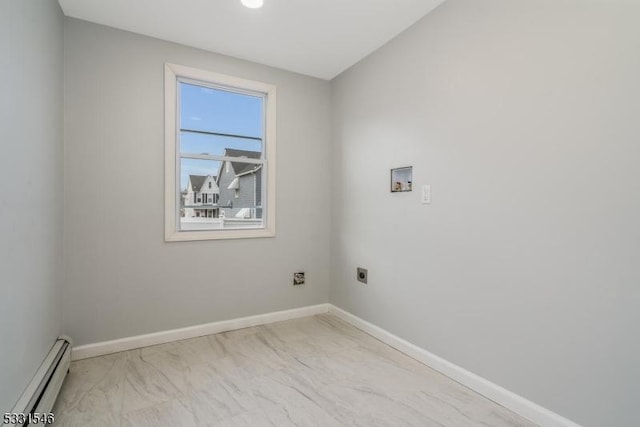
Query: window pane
[220, 195]
[215, 110]
[196, 143]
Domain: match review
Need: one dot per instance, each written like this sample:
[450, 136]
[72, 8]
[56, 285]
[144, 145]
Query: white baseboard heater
[41, 393]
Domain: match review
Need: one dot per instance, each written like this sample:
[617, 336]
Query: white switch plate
[426, 194]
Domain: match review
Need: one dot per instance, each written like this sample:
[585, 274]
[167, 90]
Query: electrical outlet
[362, 275]
[298, 278]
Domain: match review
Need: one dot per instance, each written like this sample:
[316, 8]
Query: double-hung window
[219, 156]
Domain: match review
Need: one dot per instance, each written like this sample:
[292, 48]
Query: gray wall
[31, 189]
[525, 269]
[122, 279]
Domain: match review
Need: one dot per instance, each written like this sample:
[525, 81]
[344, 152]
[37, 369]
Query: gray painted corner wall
[523, 117]
[122, 279]
[31, 52]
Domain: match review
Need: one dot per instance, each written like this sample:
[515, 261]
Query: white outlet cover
[426, 194]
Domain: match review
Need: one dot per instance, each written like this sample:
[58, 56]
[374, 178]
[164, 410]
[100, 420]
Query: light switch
[426, 194]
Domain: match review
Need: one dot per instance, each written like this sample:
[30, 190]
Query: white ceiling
[320, 38]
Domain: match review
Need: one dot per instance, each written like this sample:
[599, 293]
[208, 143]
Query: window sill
[188, 236]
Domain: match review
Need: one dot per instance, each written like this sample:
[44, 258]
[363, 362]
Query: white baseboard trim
[500, 395]
[139, 341]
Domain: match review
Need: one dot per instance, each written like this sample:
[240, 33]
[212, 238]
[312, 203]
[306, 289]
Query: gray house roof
[238, 167]
[197, 181]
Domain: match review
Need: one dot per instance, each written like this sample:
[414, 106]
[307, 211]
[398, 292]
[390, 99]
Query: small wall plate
[298, 278]
[362, 275]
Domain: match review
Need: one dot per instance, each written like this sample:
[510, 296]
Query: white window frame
[172, 74]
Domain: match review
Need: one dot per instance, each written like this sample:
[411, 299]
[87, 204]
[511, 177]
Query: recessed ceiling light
[252, 4]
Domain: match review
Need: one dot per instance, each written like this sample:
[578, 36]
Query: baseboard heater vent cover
[41, 393]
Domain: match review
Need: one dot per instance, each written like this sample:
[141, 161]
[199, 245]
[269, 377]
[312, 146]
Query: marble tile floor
[313, 371]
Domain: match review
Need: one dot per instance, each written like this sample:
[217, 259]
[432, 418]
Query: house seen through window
[220, 162]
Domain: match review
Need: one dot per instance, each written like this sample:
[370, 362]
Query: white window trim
[171, 74]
